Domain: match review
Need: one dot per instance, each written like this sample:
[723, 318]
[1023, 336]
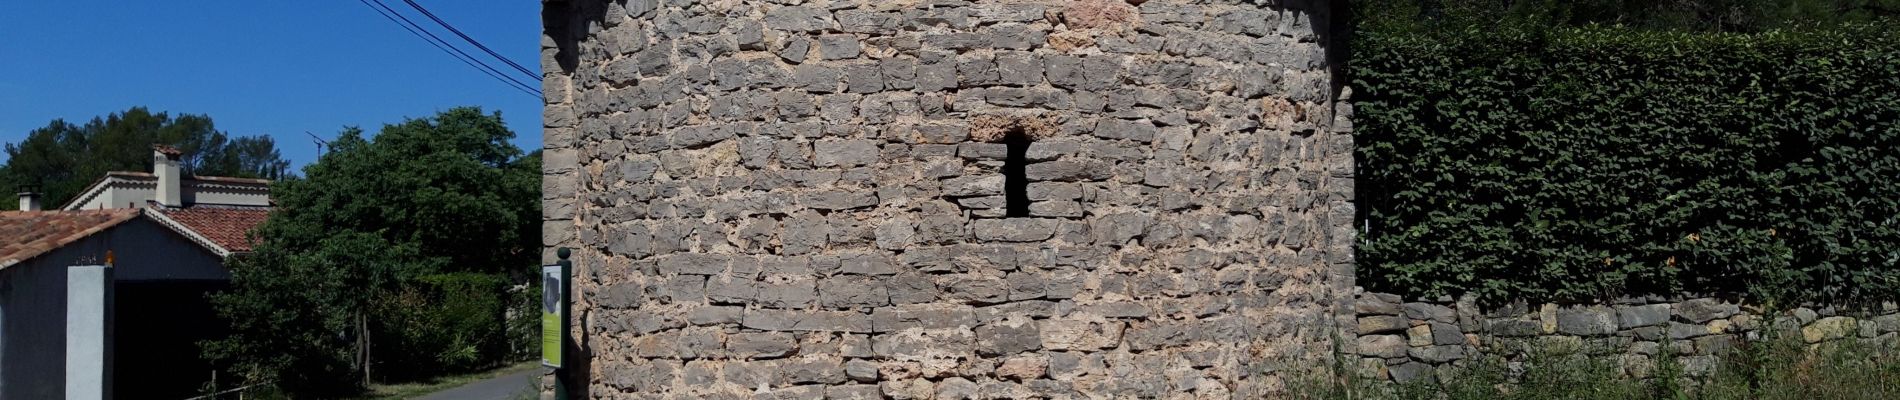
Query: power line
[439, 44]
[417, 29]
[320, 142]
[470, 40]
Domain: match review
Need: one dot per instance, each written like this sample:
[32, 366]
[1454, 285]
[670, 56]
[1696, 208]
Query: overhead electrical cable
[414, 28]
[439, 44]
[470, 40]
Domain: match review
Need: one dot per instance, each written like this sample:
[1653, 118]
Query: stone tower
[948, 199]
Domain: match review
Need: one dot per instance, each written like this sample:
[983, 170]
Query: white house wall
[33, 293]
[131, 193]
[225, 195]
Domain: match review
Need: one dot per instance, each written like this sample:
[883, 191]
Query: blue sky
[277, 68]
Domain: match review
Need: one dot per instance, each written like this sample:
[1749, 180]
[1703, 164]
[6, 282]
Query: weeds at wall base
[1771, 368]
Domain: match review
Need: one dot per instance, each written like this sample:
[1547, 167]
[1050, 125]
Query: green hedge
[1589, 163]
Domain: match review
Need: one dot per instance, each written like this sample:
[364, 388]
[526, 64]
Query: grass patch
[417, 389]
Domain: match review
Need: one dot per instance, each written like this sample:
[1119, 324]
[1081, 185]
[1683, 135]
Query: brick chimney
[165, 166]
[29, 201]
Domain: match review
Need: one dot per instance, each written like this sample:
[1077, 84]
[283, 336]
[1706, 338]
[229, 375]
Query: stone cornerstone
[949, 199]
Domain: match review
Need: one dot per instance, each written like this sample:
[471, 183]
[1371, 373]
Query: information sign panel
[552, 313]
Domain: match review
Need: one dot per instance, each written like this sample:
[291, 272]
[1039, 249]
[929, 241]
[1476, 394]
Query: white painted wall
[88, 332]
[201, 192]
[126, 192]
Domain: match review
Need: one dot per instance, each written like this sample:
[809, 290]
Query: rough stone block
[798, 19]
[1118, 129]
[923, 316]
[909, 389]
[853, 392]
[1888, 323]
[838, 47]
[1514, 327]
[1060, 209]
[1419, 336]
[807, 321]
[1437, 354]
[1640, 316]
[1382, 346]
[1410, 372]
[1589, 321]
[1830, 328]
[1680, 331]
[840, 292]
[844, 152]
[790, 294]
[1014, 229]
[1704, 310]
[991, 185]
[715, 315]
[861, 371]
[820, 370]
[1382, 324]
[838, 199]
[1428, 312]
[760, 345]
[1080, 334]
[1068, 170]
[865, 263]
[1117, 229]
[1010, 336]
[1444, 334]
[911, 288]
[1373, 305]
[923, 344]
[1023, 367]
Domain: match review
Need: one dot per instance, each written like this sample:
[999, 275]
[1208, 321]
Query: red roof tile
[227, 179]
[225, 226]
[28, 234]
[167, 150]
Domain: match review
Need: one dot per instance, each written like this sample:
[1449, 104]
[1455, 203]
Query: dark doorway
[157, 327]
[1015, 179]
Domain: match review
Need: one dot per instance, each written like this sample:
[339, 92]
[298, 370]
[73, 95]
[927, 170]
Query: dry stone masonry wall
[948, 199]
[1429, 340]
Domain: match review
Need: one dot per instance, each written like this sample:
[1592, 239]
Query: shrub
[1592, 162]
[524, 320]
[442, 323]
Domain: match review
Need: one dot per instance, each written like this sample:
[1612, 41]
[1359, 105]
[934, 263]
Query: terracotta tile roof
[28, 234]
[97, 185]
[167, 150]
[226, 179]
[225, 226]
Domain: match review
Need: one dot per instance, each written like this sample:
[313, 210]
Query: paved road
[506, 387]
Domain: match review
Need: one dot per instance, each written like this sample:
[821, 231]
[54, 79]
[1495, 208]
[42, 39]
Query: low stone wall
[1426, 340]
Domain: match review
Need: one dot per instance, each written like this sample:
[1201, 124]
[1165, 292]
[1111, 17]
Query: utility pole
[319, 141]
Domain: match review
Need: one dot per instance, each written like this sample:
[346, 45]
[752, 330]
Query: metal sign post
[555, 306]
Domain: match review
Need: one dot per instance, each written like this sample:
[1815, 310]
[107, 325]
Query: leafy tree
[388, 259]
[60, 159]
